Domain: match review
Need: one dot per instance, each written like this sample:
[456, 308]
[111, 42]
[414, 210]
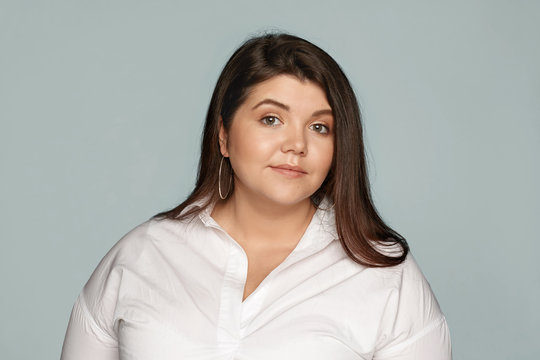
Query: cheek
[324, 156]
[252, 149]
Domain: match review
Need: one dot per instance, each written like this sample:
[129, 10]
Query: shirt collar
[322, 227]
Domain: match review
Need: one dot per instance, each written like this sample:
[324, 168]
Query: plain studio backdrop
[102, 105]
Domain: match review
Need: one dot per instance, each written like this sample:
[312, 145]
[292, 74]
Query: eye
[270, 120]
[320, 128]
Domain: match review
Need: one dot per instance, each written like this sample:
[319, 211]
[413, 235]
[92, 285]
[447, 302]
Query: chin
[289, 200]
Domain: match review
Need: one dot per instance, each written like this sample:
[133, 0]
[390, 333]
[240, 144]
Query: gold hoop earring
[219, 181]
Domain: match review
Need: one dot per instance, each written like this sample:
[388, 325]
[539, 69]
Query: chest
[260, 263]
[188, 307]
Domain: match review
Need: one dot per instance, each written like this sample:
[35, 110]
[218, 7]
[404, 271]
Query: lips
[289, 170]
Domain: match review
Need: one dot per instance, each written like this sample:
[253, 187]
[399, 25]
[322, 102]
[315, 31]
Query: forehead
[291, 91]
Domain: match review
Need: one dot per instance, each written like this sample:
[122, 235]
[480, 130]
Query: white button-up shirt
[173, 290]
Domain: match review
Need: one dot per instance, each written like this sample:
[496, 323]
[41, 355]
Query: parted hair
[365, 237]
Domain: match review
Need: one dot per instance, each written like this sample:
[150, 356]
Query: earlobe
[223, 139]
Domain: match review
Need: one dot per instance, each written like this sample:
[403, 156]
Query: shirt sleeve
[92, 328]
[414, 327]
[85, 340]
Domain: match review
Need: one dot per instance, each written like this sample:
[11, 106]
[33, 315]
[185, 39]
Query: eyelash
[264, 120]
[324, 130]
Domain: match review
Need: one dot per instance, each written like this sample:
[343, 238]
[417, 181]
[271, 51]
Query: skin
[283, 122]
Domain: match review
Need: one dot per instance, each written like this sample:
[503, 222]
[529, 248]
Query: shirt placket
[230, 309]
[235, 316]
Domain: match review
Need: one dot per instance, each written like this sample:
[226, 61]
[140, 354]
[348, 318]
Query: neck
[263, 222]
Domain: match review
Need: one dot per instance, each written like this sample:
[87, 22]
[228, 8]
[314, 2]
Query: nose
[295, 141]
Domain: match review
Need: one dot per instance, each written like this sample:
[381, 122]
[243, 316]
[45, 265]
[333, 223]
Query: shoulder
[409, 291]
[135, 251]
[411, 311]
[149, 234]
[133, 243]
[107, 275]
[130, 245]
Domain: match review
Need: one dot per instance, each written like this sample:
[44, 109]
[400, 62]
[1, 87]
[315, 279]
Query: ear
[223, 139]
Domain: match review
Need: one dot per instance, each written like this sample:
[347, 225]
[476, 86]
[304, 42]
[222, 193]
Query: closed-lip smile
[289, 170]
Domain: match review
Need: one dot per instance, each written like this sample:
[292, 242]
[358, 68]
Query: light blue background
[102, 104]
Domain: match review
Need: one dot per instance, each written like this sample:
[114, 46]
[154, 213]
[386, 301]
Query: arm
[84, 339]
[92, 333]
[431, 344]
[413, 326]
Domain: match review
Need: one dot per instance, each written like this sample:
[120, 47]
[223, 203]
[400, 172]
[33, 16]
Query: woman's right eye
[270, 120]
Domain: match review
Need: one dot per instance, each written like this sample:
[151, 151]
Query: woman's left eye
[270, 120]
[320, 128]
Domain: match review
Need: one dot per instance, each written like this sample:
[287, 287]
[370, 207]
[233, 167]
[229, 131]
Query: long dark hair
[365, 237]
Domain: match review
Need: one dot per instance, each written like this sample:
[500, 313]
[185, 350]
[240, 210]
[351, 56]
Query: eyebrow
[323, 112]
[271, 102]
[287, 108]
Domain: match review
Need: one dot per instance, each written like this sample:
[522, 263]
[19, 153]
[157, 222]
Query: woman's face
[281, 141]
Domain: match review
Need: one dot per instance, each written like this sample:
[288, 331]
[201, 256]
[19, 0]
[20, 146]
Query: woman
[278, 253]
